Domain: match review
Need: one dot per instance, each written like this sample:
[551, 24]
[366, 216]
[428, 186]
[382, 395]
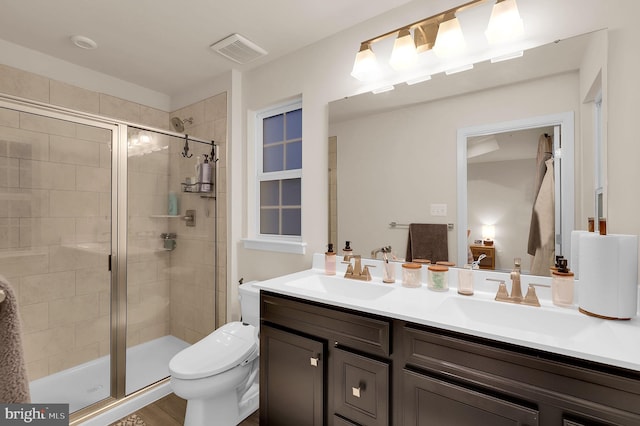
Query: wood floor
[169, 411]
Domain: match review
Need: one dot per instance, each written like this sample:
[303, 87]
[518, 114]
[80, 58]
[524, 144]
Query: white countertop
[549, 328]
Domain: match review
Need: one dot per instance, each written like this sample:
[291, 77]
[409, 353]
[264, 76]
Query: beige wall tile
[19, 143]
[154, 118]
[24, 262]
[94, 179]
[9, 233]
[74, 97]
[93, 133]
[119, 108]
[93, 229]
[215, 107]
[93, 331]
[9, 172]
[46, 343]
[51, 126]
[74, 204]
[46, 231]
[73, 357]
[47, 175]
[70, 259]
[24, 84]
[9, 118]
[27, 203]
[74, 151]
[93, 280]
[34, 317]
[47, 287]
[73, 310]
[37, 369]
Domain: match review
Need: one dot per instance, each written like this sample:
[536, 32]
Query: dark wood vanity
[326, 365]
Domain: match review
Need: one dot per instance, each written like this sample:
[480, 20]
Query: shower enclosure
[110, 283]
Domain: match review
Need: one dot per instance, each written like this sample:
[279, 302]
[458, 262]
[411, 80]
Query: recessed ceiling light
[84, 42]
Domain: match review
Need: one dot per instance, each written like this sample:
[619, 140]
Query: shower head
[178, 124]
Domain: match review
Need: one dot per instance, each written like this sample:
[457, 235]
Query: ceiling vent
[238, 49]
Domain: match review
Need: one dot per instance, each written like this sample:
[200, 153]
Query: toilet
[218, 375]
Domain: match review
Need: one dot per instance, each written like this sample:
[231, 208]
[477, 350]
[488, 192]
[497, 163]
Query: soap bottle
[346, 251]
[198, 171]
[562, 283]
[330, 261]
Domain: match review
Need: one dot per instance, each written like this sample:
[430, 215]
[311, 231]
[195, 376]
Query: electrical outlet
[438, 209]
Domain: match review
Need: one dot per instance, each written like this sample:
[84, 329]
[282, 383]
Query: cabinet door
[360, 388]
[291, 379]
[430, 401]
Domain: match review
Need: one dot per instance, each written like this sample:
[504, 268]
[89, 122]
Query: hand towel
[14, 385]
[428, 241]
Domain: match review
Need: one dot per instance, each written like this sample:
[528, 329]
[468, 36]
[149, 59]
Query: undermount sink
[339, 286]
[519, 319]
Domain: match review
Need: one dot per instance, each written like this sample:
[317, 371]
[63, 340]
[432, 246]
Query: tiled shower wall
[63, 294]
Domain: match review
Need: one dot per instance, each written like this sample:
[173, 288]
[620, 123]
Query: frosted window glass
[269, 193]
[273, 158]
[291, 222]
[273, 129]
[291, 189]
[269, 221]
[294, 124]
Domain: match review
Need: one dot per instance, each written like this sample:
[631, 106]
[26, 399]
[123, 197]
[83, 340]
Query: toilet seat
[231, 345]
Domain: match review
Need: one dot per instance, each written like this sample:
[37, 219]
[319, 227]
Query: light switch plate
[438, 209]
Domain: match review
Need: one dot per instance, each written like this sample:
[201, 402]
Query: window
[279, 174]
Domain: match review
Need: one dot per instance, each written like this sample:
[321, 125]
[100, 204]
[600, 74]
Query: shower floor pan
[88, 383]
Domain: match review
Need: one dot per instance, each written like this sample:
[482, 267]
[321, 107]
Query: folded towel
[428, 241]
[14, 385]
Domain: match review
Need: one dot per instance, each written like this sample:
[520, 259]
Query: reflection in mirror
[524, 189]
[396, 153]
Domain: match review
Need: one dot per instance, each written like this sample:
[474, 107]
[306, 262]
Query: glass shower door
[55, 246]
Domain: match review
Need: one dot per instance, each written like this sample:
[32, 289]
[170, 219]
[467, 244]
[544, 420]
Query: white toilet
[218, 376]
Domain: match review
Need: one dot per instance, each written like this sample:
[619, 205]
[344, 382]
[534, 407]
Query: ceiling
[163, 45]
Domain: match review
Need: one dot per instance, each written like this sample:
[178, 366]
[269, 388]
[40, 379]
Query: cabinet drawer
[360, 388]
[430, 401]
[363, 333]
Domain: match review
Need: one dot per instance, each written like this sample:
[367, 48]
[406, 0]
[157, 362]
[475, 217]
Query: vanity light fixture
[450, 40]
[365, 68]
[505, 23]
[404, 52]
[441, 33]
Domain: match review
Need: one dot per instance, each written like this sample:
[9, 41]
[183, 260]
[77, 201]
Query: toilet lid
[220, 351]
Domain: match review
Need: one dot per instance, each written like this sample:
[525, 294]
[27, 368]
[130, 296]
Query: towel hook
[185, 152]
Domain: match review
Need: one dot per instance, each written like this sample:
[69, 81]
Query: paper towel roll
[608, 274]
[574, 263]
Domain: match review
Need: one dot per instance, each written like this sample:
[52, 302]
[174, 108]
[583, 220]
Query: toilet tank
[250, 303]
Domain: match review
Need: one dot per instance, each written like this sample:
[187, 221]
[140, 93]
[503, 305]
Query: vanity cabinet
[451, 378]
[489, 262]
[373, 370]
[294, 388]
[355, 364]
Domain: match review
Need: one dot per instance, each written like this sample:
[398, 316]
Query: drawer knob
[313, 361]
[356, 392]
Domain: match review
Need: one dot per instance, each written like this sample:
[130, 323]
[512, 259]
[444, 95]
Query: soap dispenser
[330, 261]
[346, 251]
[562, 284]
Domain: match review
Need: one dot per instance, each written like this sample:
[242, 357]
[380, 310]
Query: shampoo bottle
[173, 204]
[206, 175]
[330, 261]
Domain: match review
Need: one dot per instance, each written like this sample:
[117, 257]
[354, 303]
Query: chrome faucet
[356, 271]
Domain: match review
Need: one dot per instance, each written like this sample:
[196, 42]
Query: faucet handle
[502, 295]
[531, 298]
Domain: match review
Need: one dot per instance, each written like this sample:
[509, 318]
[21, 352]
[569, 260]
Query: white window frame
[270, 242]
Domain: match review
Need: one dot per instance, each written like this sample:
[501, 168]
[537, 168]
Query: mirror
[397, 153]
